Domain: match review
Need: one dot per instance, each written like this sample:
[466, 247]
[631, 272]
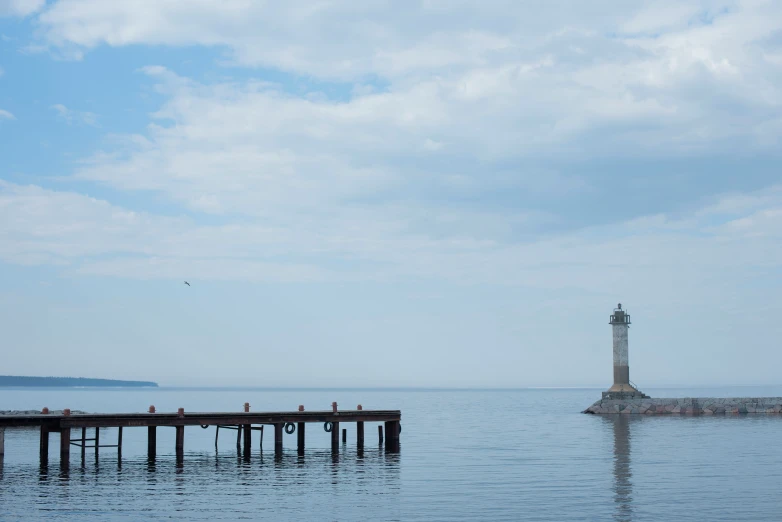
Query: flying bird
[188, 284]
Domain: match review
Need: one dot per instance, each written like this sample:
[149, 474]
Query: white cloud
[71, 116]
[5, 115]
[20, 7]
[645, 76]
[93, 236]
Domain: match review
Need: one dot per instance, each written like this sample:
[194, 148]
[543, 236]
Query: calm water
[465, 455]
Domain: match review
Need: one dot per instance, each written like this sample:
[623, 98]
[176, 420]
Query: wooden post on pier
[180, 439]
[392, 435]
[248, 437]
[2, 441]
[335, 437]
[360, 431]
[97, 440]
[44, 447]
[380, 434]
[278, 437]
[300, 436]
[119, 441]
[65, 445]
[151, 438]
[151, 441]
[344, 435]
[83, 441]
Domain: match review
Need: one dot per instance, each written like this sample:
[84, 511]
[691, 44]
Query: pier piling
[300, 436]
[392, 435]
[65, 445]
[278, 437]
[360, 430]
[151, 441]
[248, 437]
[335, 437]
[380, 434]
[2, 441]
[180, 439]
[344, 435]
[44, 446]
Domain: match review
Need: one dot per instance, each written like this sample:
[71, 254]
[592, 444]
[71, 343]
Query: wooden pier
[243, 422]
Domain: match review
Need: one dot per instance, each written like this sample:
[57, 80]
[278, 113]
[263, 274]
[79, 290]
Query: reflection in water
[623, 485]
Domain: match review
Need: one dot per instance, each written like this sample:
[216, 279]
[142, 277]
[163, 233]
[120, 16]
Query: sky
[428, 193]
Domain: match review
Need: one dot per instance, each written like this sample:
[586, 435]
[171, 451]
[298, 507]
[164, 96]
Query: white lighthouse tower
[622, 388]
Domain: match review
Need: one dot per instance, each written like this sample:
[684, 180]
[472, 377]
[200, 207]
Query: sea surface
[465, 455]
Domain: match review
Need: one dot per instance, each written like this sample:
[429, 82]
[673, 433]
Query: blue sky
[420, 193]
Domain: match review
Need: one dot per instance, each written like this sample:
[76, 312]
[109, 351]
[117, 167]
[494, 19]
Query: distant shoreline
[71, 382]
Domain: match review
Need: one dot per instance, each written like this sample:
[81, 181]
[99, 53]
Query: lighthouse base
[622, 391]
[624, 395]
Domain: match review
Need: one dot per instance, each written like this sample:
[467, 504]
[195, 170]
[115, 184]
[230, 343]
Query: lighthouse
[622, 388]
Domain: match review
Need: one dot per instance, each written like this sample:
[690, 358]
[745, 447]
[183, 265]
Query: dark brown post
[360, 434]
[335, 436]
[180, 439]
[344, 435]
[248, 437]
[119, 440]
[151, 441]
[380, 434]
[300, 436]
[278, 437]
[239, 437]
[44, 448]
[392, 435]
[97, 439]
[44, 444]
[65, 445]
[151, 438]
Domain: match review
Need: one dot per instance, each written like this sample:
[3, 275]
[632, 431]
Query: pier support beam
[278, 437]
[180, 439]
[151, 441]
[335, 437]
[360, 434]
[248, 437]
[392, 435]
[65, 445]
[300, 436]
[44, 446]
[380, 434]
[2, 441]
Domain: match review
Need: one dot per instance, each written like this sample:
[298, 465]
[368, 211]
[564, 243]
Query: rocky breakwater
[688, 406]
